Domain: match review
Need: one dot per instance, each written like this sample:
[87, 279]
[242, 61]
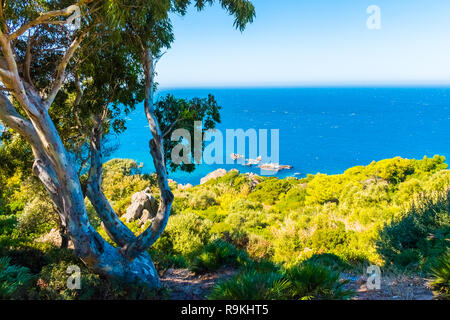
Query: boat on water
[274, 166]
[251, 162]
[236, 156]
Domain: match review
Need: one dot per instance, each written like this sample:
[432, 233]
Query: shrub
[202, 200]
[26, 256]
[121, 179]
[440, 282]
[251, 286]
[15, 281]
[312, 281]
[38, 217]
[215, 255]
[329, 261]
[185, 234]
[306, 281]
[270, 190]
[53, 285]
[419, 237]
[164, 261]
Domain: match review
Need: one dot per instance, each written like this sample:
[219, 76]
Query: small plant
[440, 282]
[216, 255]
[304, 282]
[251, 286]
[15, 281]
[311, 281]
[330, 261]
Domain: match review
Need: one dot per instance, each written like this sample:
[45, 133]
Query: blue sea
[323, 130]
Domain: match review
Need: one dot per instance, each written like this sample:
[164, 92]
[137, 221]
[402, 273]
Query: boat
[236, 156]
[274, 167]
[254, 161]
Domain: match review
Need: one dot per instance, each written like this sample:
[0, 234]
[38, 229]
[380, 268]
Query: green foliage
[418, 238]
[329, 261]
[184, 114]
[440, 282]
[53, 278]
[311, 281]
[121, 179]
[286, 238]
[215, 255]
[164, 260]
[306, 281]
[202, 200]
[251, 286]
[15, 281]
[270, 189]
[185, 234]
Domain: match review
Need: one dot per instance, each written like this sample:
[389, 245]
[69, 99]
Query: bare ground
[393, 287]
[185, 285]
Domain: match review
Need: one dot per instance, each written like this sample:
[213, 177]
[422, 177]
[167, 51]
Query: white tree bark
[130, 261]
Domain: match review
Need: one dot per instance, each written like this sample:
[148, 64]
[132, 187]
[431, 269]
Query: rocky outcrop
[54, 237]
[184, 186]
[143, 207]
[213, 175]
[254, 179]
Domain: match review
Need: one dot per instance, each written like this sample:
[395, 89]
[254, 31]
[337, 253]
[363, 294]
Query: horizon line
[310, 85]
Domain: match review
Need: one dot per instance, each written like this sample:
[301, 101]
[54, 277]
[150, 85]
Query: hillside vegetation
[288, 238]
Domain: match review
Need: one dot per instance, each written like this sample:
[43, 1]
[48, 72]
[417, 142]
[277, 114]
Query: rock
[254, 179]
[145, 216]
[184, 186]
[141, 202]
[53, 237]
[170, 181]
[214, 175]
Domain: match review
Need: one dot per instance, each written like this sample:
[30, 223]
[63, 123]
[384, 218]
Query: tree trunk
[53, 166]
[57, 173]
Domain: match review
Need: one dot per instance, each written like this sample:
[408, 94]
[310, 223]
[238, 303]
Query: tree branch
[12, 119]
[154, 231]
[115, 228]
[42, 166]
[43, 18]
[61, 69]
[28, 58]
[10, 77]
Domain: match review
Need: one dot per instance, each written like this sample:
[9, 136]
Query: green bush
[185, 234]
[306, 281]
[440, 282]
[420, 237]
[251, 286]
[202, 200]
[164, 261]
[215, 255]
[329, 261]
[270, 190]
[53, 286]
[312, 281]
[15, 281]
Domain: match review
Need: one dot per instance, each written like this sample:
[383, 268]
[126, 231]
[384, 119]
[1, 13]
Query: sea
[326, 130]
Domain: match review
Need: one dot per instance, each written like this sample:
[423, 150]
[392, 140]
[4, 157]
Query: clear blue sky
[315, 42]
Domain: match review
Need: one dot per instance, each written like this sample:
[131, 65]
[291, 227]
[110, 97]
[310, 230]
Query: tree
[34, 81]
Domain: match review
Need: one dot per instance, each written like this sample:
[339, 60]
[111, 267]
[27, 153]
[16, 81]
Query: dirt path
[392, 288]
[185, 285]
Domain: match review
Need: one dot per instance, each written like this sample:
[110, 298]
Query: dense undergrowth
[288, 238]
